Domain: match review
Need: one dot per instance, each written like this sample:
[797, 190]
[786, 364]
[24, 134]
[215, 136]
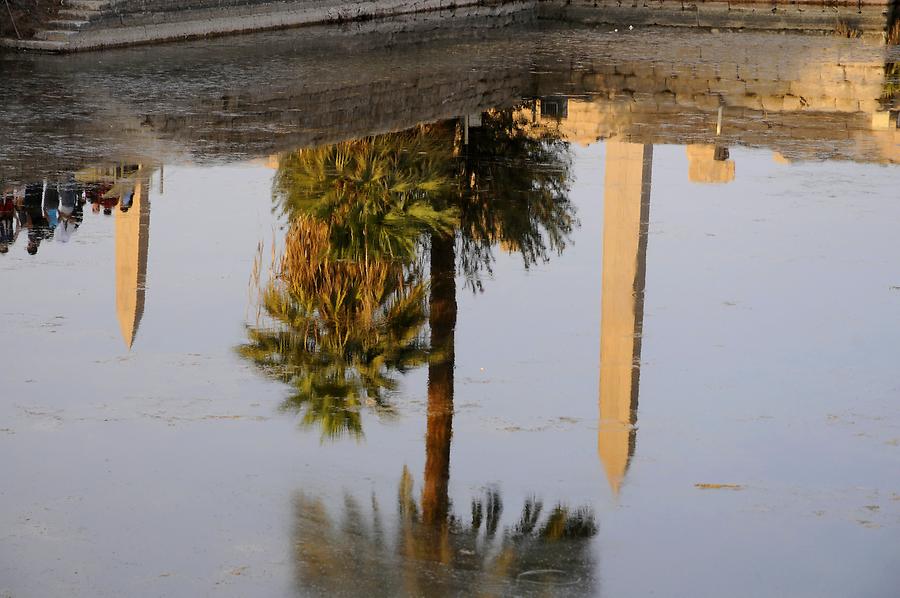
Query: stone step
[67, 24]
[55, 35]
[33, 44]
[78, 14]
[87, 4]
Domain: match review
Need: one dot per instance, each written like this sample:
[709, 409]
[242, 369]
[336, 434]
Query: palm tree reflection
[347, 307]
[513, 193]
[543, 552]
[377, 195]
[337, 329]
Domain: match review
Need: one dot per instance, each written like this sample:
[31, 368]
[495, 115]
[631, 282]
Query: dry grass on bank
[893, 34]
[844, 29]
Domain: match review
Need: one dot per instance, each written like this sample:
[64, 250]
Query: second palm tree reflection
[351, 552]
[513, 192]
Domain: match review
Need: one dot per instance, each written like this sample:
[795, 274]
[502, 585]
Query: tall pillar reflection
[132, 241]
[626, 209]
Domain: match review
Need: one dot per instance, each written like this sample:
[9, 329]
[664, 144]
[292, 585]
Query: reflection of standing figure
[51, 205]
[68, 203]
[95, 194]
[7, 225]
[127, 199]
[33, 218]
[108, 203]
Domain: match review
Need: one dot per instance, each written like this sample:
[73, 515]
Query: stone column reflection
[132, 242]
[625, 219]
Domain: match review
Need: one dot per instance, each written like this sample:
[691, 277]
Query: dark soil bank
[20, 18]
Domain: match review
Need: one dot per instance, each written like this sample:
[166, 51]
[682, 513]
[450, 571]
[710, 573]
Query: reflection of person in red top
[108, 204]
[95, 194]
[8, 233]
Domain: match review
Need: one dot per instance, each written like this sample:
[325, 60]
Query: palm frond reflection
[545, 552]
[377, 195]
[337, 329]
[347, 305]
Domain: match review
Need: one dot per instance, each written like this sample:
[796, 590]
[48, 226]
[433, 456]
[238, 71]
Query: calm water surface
[537, 311]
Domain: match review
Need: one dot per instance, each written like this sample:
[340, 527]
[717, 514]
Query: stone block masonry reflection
[626, 214]
[132, 243]
[816, 97]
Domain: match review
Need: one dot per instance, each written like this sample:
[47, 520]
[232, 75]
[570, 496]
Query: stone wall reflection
[803, 96]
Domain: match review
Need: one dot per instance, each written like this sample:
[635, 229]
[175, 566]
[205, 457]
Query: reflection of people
[51, 205]
[127, 199]
[108, 203]
[68, 204]
[96, 194]
[8, 226]
[33, 217]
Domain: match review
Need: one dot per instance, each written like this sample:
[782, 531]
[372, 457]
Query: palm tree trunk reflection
[442, 319]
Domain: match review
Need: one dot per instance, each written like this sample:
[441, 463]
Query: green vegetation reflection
[347, 305]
